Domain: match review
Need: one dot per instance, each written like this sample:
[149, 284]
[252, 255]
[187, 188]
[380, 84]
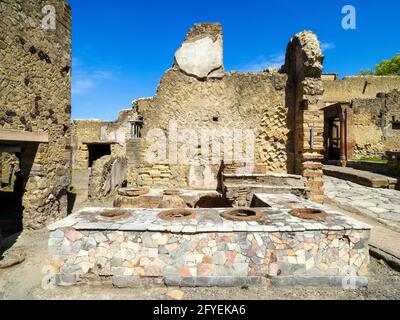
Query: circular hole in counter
[177, 215]
[243, 214]
[114, 215]
[309, 214]
[133, 191]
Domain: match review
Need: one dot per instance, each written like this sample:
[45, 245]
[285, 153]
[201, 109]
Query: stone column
[382, 97]
[343, 159]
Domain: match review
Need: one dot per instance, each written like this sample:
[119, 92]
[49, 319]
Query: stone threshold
[352, 282]
[390, 258]
[334, 281]
[262, 175]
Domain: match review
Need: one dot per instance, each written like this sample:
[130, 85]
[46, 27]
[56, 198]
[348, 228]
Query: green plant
[373, 159]
[385, 68]
[388, 67]
[367, 72]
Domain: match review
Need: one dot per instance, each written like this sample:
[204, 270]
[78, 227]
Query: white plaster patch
[199, 58]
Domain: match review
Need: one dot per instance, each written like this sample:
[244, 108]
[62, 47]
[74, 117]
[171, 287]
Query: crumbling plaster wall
[35, 96]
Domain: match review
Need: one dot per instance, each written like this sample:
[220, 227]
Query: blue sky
[121, 48]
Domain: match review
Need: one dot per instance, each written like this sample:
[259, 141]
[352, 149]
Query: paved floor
[382, 205]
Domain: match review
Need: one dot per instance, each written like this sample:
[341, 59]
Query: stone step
[365, 178]
[233, 190]
[268, 179]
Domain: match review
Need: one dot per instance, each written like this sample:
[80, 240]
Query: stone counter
[209, 250]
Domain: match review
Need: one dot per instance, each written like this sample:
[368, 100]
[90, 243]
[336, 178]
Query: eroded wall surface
[35, 77]
[238, 101]
[374, 121]
[83, 131]
[196, 94]
[375, 128]
[358, 87]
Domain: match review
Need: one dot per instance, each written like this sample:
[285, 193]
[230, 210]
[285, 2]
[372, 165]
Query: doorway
[98, 150]
[11, 192]
[338, 133]
[334, 138]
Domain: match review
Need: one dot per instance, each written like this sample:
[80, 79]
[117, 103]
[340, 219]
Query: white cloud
[80, 86]
[262, 63]
[85, 79]
[327, 46]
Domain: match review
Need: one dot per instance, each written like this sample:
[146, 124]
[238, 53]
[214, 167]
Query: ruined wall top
[200, 30]
[359, 87]
[201, 54]
[304, 56]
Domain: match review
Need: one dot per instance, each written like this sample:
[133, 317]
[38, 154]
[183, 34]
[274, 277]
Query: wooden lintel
[7, 135]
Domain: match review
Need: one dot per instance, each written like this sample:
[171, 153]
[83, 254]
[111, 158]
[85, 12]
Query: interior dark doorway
[334, 138]
[98, 150]
[11, 191]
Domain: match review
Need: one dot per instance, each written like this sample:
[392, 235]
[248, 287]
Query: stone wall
[209, 259]
[375, 119]
[107, 175]
[83, 131]
[35, 77]
[118, 131]
[358, 87]
[9, 165]
[198, 95]
[237, 101]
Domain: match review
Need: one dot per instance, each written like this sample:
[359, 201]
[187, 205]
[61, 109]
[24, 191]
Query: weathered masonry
[35, 107]
[283, 109]
[362, 117]
[213, 221]
[93, 138]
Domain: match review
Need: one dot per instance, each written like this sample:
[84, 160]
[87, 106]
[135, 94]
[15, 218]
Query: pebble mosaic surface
[208, 250]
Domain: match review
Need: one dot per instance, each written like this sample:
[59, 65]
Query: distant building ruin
[283, 109]
[295, 114]
[362, 117]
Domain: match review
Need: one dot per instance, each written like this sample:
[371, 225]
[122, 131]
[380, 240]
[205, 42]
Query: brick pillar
[133, 150]
[310, 141]
[304, 67]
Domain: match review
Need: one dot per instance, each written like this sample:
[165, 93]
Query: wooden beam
[23, 136]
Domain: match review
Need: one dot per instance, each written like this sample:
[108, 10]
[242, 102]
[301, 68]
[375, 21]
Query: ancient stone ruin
[216, 180]
[35, 108]
[188, 218]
